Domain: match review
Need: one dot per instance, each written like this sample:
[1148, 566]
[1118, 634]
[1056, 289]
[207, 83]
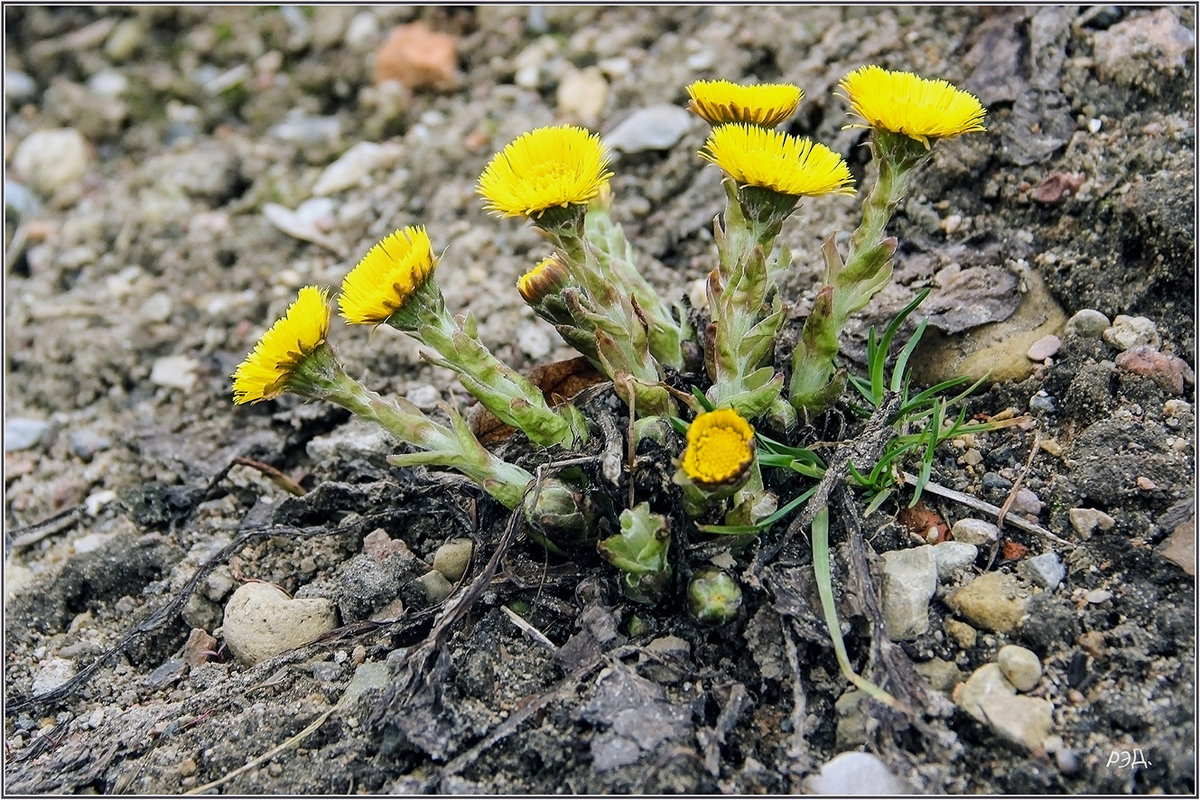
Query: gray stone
[49, 160]
[656, 127]
[52, 674]
[909, 581]
[975, 531]
[987, 682]
[21, 433]
[261, 621]
[126, 39]
[17, 199]
[952, 558]
[435, 586]
[1127, 332]
[1020, 665]
[1085, 521]
[453, 558]
[18, 86]
[854, 773]
[356, 439]
[1087, 323]
[85, 443]
[1044, 348]
[1044, 570]
[996, 601]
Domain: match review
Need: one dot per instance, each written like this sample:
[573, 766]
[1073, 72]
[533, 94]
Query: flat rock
[909, 581]
[21, 433]
[1022, 720]
[1170, 372]
[261, 621]
[351, 169]
[1085, 521]
[996, 601]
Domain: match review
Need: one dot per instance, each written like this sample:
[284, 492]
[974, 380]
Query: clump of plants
[702, 383]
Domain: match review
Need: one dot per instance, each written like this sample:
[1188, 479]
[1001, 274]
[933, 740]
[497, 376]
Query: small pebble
[993, 480]
[49, 160]
[175, 372]
[419, 58]
[1085, 521]
[453, 557]
[952, 558]
[261, 621]
[909, 582]
[1027, 502]
[855, 773]
[975, 531]
[1043, 403]
[1093, 643]
[1020, 665]
[21, 433]
[656, 127]
[187, 767]
[1087, 323]
[581, 95]
[1067, 761]
[435, 586]
[1098, 596]
[1127, 332]
[85, 443]
[1044, 348]
[534, 341]
[962, 633]
[1044, 570]
[350, 170]
[1145, 484]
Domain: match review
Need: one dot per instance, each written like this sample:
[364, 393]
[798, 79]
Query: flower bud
[713, 596]
[560, 516]
[548, 278]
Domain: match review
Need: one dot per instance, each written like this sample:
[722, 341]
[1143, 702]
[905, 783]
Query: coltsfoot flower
[763, 104]
[388, 275]
[551, 167]
[282, 350]
[720, 449]
[904, 103]
[549, 277]
[782, 163]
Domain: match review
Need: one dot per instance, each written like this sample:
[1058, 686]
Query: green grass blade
[820, 547]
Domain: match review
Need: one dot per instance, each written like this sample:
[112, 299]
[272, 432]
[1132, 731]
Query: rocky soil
[173, 175]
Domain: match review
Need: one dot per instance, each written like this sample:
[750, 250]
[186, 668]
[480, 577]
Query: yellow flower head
[720, 448]
[549, 276]
[763, 104]
[755, 156]
[264, 373]
[904, 103]
[387, 276]
[555, 166]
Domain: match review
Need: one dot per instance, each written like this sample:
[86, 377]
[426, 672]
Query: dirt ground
[147, 250]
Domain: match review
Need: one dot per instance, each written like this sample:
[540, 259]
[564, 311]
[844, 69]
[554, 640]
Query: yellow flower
[720, 448]
[387, 276]
[548, 277]
[904, 103]
[755, 156]
[763, 104]
[264, 373]
[555, 166]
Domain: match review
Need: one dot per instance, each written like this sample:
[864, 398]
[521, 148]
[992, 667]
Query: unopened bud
[714, 596]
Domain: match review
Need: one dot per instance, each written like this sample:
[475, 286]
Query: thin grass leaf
[824, 576]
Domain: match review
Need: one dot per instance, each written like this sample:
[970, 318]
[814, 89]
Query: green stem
[453, 447]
